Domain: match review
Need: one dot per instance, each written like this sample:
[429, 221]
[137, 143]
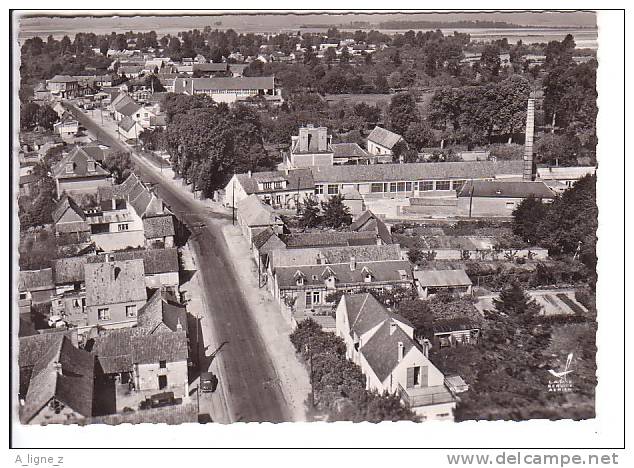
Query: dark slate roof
[127, 123]
[73, 386]
[381, 350]
[102, 287]
[69, 270]
[170, 347]
[114, 349]
[63, 79]
[497, 189]
[415, 171]
[348, 150]
[33, 347]
[211, 67]
[256, 213]
[129, 109]
[364, 312]
[392, 271]
[95, 152]
[158, 226]
[368, 221]
[327, 255]
[384, 137]
[328, 238]
[66, 203]
[262, 237]
[155, 261]
[33, 280]
[440, 278]
[28, 179]
[79, 159]
[298, 177]
[162, 314]
[234, 83]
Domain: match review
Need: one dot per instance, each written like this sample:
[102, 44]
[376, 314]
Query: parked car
[158, 400]
[208, 382]
[56, 321]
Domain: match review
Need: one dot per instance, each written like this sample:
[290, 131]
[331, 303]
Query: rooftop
[440, 278]
[497, 189]
[115, 282]
[384, 137]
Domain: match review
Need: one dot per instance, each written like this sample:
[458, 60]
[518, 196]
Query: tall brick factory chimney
[528, 145]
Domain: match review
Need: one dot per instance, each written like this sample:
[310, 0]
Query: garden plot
[551, 302]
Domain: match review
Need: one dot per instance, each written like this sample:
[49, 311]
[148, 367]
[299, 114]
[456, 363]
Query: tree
[514, 301]
[104, 47]
[309, 212]
[557, 150]
[419, 134]
[336, 213]
[490, 62]
[402, 112]
[28, 115]
[153, 82]
[345, 55]
[46, 117]
[527, 218]
[119, 164]
[330, 55]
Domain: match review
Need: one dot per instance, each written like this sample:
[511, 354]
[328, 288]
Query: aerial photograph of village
[234, 217]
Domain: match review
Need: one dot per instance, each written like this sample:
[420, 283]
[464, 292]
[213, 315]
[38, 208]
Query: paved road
[250, 382]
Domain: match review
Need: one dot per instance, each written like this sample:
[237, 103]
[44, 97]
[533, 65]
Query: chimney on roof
[179, 327]
[392, 326]
[318, 260]
[401, 350]
[249, 174]
[114, 203]
[58, 367]
[426, 345]
[353, 263]
[528, 144]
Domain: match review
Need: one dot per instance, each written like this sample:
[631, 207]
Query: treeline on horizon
[425, 24]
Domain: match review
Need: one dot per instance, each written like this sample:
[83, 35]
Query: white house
[381, 142]
[383, 345]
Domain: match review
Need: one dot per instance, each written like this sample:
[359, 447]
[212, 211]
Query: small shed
[431, 282]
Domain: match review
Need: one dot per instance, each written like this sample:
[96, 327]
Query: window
[316, 297]
[278, 199]
[103, 314]
[457, 184]
[510, 205]
[376, 188]
[319, 189]
[268, 185]
[408, 186]
[130, 311]
[392, 187]
[333, 189]
[91, 166]
[442, 185]
[163, 364]
[22, 295]
[309, 299]
[123, 227]
[278, 185]
[75, 302]
[400, 186]
[69, 168]
[425, 185]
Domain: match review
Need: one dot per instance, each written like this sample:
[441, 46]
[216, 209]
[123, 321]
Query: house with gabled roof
[67, 127]
[69, 220]
[61, 386]
[160, 266]
[369, 222]
[79, 172]
[383, 345]
[230, 89]
[311, 147]
[129, 129]
[254, 216]
[124, 213]
[350, 153]
[432, 282]
[280, 189]
[115, 291]
[381, 142]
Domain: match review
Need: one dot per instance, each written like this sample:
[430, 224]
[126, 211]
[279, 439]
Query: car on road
[208, 382]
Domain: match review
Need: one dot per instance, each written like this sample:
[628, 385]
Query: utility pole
[233, 201]
[471, 198]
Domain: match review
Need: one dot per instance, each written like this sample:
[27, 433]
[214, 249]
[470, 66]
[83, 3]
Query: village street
[259, 375]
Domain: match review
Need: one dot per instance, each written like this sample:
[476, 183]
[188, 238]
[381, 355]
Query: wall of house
[82, 184]
[48, 416]
[488, 206]
[375, 148]
[111, 241]
[162, 279]
[308, 160]
[167, 241]
[438, 412]
[118, 317]
[147, 375]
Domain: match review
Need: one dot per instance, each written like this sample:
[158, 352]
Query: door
[162, 381]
